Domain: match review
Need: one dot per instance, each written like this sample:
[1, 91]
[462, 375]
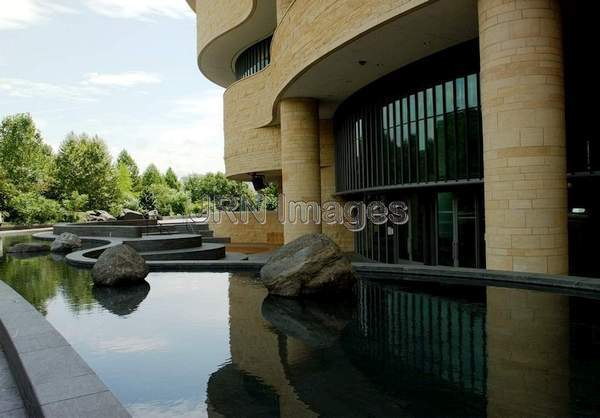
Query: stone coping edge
[53, 380]
[570, 285]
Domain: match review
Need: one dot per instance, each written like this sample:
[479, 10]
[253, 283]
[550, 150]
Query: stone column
[282, 6]
[523, 105]
[300, 167]
[338, 232]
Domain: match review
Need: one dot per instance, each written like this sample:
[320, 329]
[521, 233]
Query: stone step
[205, 252]
[165, 242]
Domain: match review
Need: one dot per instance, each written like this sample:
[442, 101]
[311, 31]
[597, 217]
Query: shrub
[31, 208]
[169, 201]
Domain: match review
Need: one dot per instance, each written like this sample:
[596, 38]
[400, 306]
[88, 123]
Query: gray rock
[28, 248]
[311, 265]
[99, 216]
[119, 266]
[65, 243]
[131, 215]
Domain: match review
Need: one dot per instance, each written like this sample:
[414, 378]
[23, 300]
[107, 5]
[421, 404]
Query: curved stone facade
[327, 50]
[248, 146]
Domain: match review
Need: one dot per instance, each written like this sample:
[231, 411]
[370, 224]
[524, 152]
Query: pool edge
[37, 355]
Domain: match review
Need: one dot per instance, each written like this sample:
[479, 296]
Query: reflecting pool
[214, 344]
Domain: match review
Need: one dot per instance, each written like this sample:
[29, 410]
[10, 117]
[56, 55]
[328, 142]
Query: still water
[211, 344]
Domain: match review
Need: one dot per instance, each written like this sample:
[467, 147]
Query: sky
[125, 70]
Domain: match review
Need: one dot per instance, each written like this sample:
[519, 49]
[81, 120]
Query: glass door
[459, 232]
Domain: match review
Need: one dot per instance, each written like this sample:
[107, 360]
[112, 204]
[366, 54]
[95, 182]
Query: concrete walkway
[11, 404]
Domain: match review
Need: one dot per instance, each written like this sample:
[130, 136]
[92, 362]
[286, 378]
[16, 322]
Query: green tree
[26, 159]
[171, 179]
[7, 192]
[147, 200]
[74, 203]
[124, 181]
[151, 176]
[134, 172]
[170, 201]
[84, 165]
[269, 197]
[215, 186]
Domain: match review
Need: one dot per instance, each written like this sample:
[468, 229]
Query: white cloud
[141, 9]
[19, 14]
[20, 88]
[92, 86]
[126, 79]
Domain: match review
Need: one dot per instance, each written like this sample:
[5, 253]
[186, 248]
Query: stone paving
[11, 404]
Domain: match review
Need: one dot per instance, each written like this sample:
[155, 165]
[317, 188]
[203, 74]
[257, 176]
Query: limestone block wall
[252, 232]
[523, 105]
[248, 147]
[338, 233]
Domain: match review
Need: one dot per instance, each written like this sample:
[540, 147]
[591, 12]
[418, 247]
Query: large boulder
[65, 243]
[131, 215]
[28, 248]
[310, 265]
[99, 216]
[119, 266]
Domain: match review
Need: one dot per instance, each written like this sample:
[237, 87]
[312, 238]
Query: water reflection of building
[528, 353]
[431, 347]
[255, 351]
[402, 352]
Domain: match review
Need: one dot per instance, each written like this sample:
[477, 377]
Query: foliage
[76, 202]
[84, 165]
[171, 179]
[215, 186]
[37, 187]
[151, 176]
[31, 208]
[147, 200]
[124, 181]
[169, 201]
[125, 159]
[268, 197]
[25, 158]
[7, 192]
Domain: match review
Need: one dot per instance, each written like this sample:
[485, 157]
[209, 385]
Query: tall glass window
[430, 135]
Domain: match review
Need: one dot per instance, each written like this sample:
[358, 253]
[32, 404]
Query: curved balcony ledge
[249, 147]
[225, 28]
[310, 59]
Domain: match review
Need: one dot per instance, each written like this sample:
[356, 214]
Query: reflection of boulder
[28, 248]
[59, 258]
[233, 393]
[310, 265]
[120, 266]
[121, 301]
[314, 323]
[65, 243]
